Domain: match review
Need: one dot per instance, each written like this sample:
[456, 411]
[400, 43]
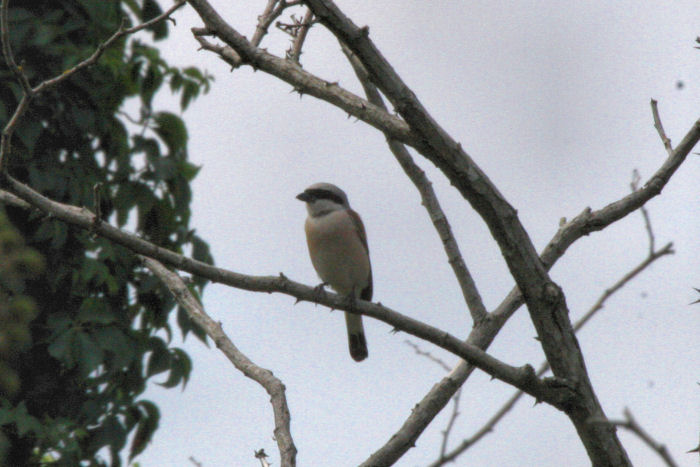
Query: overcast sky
[551, 99]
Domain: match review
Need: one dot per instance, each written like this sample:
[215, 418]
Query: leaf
[117, 343]
[172, 131]
[95, 311]
[90, 354]
[180, 368]
[145, 428]
[28, 132]
[159, 360]
[63, 348]
[151, 9]
[150, 84]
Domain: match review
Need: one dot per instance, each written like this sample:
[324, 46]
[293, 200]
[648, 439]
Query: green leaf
[150, 84]
[63, 348]
[146, 427]
[151, 9]
[159, 360]
[180, 368]
[28, 132]
[172, 131]
[95, 311]
[89, 353]
[111, 339]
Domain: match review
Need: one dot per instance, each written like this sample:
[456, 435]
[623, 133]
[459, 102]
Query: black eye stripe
[319, 193]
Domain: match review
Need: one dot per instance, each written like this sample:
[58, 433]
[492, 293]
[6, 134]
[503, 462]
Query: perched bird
[338, 248]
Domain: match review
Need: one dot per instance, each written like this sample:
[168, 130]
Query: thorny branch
[545, 302]
[263, 377]
[489, 426]
[520, 377]
[429, 199]
[482, 335]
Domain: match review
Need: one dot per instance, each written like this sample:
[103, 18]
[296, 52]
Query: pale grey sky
[551, 99]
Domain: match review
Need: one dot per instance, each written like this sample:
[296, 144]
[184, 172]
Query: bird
[339, 253]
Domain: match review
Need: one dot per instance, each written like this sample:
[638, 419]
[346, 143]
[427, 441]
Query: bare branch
[8, 198]
[429, 200]
[629, 423]
[263, 377]
[290, 72]
[424, 353]
[544, 367]
[660, 128]
[272, 10]
[523, 378]
[455, 399]
[484, 333]
[634, 185]
[295, 51]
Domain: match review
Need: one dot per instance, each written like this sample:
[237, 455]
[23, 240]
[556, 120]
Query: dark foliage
[96, 324]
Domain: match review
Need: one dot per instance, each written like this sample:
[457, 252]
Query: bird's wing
[366, 293]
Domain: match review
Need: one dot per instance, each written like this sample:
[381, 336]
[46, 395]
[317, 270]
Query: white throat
[321, 207]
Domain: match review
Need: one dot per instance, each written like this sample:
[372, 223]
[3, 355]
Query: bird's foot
[320, 291]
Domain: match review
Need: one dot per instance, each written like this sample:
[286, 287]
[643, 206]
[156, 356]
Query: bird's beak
[304, 197]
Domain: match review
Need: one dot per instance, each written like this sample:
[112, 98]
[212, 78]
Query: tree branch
[304, 26]
[544, 367]
[263, 377]
[659, 127]
[484, 333]
[290, 72]
[429, 200]
[557, 393]
[273, 10]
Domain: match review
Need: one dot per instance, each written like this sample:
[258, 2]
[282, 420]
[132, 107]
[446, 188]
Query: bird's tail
[356, 337]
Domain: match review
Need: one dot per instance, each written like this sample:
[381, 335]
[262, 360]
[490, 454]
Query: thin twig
[645, 214]
[660, 128]
[273, 10]
[455, 399]
[629, 423]
[262, 457]
[428, 355]
[262, 376]
[7, 49]
[294, 53]
[225, 52]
